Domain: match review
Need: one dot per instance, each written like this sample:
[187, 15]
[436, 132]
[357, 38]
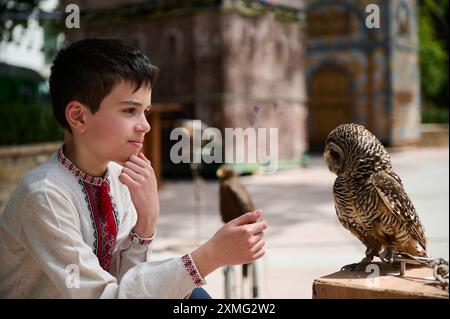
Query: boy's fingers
[139, 161]
[258, 246]
[141, 155]
[145, 159]
[134, 167]
[256, 238]
[247, 218]
[258, 254]
[257, 227]
[127, 180]
[136, 177]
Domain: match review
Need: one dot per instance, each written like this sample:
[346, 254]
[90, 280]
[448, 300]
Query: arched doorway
[330, 98]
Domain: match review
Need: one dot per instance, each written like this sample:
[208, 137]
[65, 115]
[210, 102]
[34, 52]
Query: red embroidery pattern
[104, 217]
[192, 270]
[78, 173]
[105, 224]
[135, 238]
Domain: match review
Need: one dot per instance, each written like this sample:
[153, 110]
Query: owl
[235, 200]
[369, 197]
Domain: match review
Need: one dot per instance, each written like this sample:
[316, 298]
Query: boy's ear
[76, 116]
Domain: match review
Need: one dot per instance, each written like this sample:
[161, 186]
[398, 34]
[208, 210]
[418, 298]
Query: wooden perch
[381, 281]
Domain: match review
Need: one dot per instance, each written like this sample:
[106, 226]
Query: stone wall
[434, 135]
[15, 161]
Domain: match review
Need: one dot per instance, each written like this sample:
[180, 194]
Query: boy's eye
[147, 111]
[130, 110]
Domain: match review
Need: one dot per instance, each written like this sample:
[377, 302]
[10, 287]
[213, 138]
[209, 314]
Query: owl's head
[226, 171]
[351, 148]
[334, 157]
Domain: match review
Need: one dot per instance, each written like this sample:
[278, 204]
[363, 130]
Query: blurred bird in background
[235, 200]
[369, 197]
[194, 129]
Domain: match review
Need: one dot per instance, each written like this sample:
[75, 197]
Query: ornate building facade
[360, 74]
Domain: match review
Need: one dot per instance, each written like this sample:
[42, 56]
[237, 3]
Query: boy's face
[117, 129]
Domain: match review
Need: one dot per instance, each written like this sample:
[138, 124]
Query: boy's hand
[240, 241]
[138, 175]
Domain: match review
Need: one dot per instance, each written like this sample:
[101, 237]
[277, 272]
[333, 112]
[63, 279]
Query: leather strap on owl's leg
[388, 255]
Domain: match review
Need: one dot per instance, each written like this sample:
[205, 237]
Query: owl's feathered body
[235, 200]
[369, 197]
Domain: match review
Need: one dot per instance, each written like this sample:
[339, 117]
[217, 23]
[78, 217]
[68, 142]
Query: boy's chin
[125, 158]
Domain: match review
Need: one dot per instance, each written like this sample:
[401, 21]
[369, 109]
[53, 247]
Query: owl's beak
[219, 173]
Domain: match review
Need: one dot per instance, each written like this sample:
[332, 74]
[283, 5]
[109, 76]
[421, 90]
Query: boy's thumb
[247, 218]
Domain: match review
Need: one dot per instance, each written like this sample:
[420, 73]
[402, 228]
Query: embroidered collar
[78, 173]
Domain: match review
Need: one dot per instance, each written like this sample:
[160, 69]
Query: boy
[81, 225]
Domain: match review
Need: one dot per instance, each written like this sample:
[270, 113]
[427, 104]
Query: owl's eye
[334, 155]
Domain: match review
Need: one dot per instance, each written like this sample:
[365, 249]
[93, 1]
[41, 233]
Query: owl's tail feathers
[414, 248]
[421, 252]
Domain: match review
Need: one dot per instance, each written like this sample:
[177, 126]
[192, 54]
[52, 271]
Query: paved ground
[304, 240]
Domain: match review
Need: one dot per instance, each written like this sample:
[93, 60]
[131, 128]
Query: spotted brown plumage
[369, 196]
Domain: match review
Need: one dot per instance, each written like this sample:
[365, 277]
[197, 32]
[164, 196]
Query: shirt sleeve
[52, 235]
[129, 254]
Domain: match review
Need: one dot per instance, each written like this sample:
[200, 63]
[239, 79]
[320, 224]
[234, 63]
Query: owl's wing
[234, 201]
[242, 196]
[396, 177]
[390, 189]
[229, 207]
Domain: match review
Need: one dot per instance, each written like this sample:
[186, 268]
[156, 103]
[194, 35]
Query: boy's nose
[143, 126]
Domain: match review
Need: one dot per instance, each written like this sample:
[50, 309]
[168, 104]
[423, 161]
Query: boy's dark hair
[87, 71]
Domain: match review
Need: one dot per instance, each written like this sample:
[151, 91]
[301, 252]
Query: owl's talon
[355, 267]
[350, 267]
[388, 255]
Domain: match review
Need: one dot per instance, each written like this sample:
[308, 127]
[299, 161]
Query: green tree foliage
[14, 13]
[27, 123]
[433, 36]
[25, 113]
